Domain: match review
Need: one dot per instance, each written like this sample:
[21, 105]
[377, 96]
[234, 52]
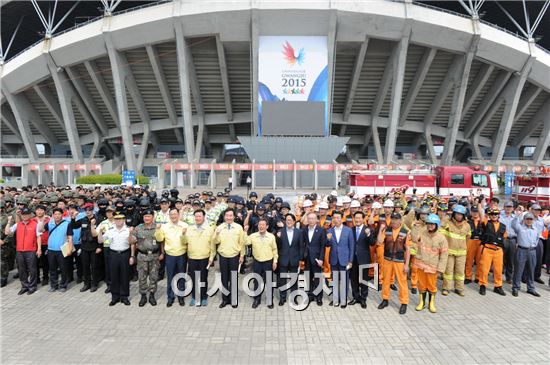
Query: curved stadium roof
[72, 81]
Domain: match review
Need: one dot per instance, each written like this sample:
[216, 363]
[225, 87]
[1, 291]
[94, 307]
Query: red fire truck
[532, 187]
[442, 180]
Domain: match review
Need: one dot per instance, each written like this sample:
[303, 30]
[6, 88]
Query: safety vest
[490, 236]
[25, 236]
[349, 220]
[394, 249]
[326, 223]
[477, 230]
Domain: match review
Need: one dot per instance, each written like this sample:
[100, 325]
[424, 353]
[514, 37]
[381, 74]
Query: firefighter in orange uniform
[325, 221]
[473, 250]
[373, 222]
[431, 258]
[492, 252]
[396, 240]
[353, 207]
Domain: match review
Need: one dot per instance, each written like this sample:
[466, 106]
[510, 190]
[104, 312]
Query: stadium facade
[179, 79]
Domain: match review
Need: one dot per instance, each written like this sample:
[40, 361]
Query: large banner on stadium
[293, 68]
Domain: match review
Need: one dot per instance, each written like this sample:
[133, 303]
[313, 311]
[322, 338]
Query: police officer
[89, 248]
[101, 213]
[119, 245]
[252, 200]
[148, 255]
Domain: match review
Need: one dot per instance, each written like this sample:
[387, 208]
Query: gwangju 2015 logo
[291, 57]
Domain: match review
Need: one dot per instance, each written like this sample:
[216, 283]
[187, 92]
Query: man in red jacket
[28, 249]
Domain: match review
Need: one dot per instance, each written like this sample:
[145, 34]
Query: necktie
[358, 232]
[229, 226]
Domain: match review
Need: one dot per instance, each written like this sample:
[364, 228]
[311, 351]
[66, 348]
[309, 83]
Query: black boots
[482, 289]
[152, 299]
[143, 300]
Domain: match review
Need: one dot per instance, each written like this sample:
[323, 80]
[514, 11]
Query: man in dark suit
[364, 238]
[290, 243]
[342, 250]
[315, 240]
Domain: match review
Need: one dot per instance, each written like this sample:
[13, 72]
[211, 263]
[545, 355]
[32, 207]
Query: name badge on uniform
[85, 225]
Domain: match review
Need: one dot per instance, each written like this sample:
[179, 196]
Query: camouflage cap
[22, 200]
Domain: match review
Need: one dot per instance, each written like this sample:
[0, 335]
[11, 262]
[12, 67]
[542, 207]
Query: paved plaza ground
[74, 327]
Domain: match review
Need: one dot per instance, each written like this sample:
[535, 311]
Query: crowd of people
[56, 235]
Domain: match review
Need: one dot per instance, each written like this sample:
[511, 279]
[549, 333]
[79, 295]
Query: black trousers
[162, 268]
[107, 264]
[540, 254]
[292, 269]
[120, 278]
[358, 291]
[72, 261]
[198, 266]
[261, 268]
[314, 270]
[89, 260]
[227, 265]
[43, 263]
[57, 261]
[509, 257]
[546, 255]
[27, 264]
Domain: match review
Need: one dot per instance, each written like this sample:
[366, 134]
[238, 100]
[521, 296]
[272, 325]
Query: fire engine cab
[442, 180]
[535, 187]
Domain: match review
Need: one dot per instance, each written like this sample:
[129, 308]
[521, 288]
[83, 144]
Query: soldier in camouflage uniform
[9, 244]
[4, 241]
[148, 257]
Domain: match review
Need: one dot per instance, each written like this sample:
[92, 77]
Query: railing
[424, 5]
[515, 34]
[158, 2]
[100, 158]
[91, 21]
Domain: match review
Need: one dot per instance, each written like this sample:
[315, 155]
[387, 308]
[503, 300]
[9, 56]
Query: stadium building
[191, 92]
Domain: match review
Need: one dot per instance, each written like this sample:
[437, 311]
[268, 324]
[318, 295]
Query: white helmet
[388, 204]
[323, 205]
[346, 200]
[376, 205]
[307, 203]
[339, 202]
[334, 193]
[355, 204]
